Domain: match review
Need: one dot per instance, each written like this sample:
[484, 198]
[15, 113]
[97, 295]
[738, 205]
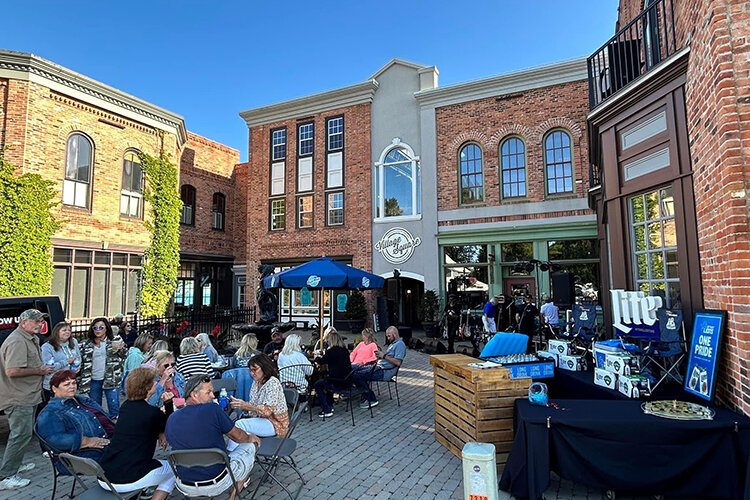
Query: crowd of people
[169, 399]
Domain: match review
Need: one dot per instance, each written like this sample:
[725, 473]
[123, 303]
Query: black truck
[12, 307]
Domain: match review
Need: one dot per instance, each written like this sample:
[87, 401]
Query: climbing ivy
[162, 257]
[26, 228]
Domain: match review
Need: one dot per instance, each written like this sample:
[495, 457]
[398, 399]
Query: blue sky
[209, 60]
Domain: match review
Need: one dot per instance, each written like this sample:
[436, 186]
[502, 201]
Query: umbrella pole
[321, 303]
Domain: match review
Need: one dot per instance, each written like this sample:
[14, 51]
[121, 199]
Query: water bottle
[223, 399]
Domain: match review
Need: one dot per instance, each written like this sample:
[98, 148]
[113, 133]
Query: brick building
[670, 122]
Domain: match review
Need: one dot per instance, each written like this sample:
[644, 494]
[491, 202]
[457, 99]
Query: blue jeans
[113, 397]
[362, 378]
[322, 387]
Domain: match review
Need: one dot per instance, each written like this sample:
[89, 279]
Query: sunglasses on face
[167, 365]
[99, 327]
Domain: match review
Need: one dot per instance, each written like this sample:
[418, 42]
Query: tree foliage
[162, 257]
[27, 225]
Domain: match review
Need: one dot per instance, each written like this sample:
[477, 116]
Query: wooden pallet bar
[473, 404]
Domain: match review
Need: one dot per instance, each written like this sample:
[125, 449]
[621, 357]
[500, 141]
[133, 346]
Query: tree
[392, 208]
[162, 257]
[26, 229]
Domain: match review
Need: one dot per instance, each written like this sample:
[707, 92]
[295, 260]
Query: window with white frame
[305, 174]
[78, 166]
[335, 170]
[513, 167]
[305, 211]
[335, 129]
[335, 209]
[471, 175]
[558, 162]
[278, 144]
[187, 195]
[306, 133]
[277, 178]
[131, 196]
[218, 209]
[278, 214]
[398, 182]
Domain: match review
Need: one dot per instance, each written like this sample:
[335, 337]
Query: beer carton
[548, 355]
[561, 347]
[605, 378]
[621, 364]
[634, 386]
[572, 363]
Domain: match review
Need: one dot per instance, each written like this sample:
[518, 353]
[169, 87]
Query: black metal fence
[643, 43]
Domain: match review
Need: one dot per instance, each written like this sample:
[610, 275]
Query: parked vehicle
[12, 307]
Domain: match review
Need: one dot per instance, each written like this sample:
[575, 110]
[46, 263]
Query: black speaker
[434, 346]
[563, 289]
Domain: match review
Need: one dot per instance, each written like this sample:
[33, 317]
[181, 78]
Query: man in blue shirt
[488, 316]
[386, 367]
[203, 424]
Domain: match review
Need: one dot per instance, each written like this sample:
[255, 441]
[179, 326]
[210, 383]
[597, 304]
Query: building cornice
[359, 93]
[22, 65]
[509, 83]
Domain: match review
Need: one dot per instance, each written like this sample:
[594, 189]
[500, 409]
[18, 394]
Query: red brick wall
[354, 238]
[208, 166]
[488, 122]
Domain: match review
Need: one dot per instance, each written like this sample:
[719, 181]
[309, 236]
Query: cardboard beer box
[572, 363]
[560, 347]
[621, 364]
[605, 378]
[547, 355]
[634, 386]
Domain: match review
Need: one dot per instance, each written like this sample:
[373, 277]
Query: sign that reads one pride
[703, 361]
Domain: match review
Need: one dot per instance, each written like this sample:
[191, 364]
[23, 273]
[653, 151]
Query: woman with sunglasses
[170, 385]
[101, 366]
[267, 405]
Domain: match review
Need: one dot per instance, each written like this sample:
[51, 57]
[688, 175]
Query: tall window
[218, 208]
[278, 144]
[184, 294]
[278, 214]
[558, 163]
[398, 181]
[654, 245]
[78, 165]
[471, 176]
[306, 133]
[187, 195]
[335, 129]
[131, 196]
[513, 167]
[335, 152]
[305, 211]
[335, 209]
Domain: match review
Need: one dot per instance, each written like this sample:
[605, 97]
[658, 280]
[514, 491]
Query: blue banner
[703, 361]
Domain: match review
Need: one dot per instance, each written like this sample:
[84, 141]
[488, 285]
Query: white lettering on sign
[634, 308]
[703, 348]
[397, 245]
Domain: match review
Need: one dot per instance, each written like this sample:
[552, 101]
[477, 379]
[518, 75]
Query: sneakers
[365, 404]
[326, 414]
[27, 467]
[13, 483]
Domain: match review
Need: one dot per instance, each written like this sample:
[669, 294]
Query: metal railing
[642, 44]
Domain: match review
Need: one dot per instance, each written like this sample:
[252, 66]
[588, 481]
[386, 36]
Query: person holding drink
[101, 366]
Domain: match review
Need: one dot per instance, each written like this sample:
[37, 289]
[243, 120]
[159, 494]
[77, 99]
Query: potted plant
[356, 312]
[428, 309]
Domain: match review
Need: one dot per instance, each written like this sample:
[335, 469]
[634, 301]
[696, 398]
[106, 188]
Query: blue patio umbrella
[321, 274]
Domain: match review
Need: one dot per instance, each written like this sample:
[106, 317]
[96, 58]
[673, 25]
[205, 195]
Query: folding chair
[297, 377]
[80, 466]
[349, 390]
[229, 384]
[393, 380]
[292, 397]
[244, 381]
[54, 457]
[276, 450]
[203, 457]
[582, 330]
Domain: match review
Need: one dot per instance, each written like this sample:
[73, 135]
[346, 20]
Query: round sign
[313, 280]
[397, 245]
[365, 282]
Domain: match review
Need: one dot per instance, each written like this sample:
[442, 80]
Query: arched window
[513, 167]
[187, 195]
[471, 175]
[218, 208]
[131, 196]
[78, 167]
[558, 162]
[399, 186]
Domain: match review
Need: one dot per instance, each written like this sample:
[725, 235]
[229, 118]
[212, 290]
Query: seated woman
[128, 461]
[170, 384]
[339, 368]
[74, 423]
[267, 404]
[291, 355]
[191, 360]
[208, 349]
[364, 352]
[248, 349]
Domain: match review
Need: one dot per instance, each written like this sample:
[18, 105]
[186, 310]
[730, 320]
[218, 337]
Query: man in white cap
[21, 373]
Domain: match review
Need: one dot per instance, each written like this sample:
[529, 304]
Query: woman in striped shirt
[191, 360]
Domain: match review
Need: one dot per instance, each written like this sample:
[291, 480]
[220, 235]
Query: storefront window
[465, 254]
[572, 249]
[517, 252]
[654, 245]
[581, 259]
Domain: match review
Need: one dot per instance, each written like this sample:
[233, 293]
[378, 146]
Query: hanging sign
[341, 300]
[634, 314]
[397, 245]
[305, 297]
[703, 361]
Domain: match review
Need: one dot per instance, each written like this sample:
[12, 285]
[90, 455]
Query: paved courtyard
[393, 455]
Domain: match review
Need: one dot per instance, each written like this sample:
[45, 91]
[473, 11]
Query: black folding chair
[203, 457]
[276, 450]
[80, 466]
[298, 377]
[393, 380]
[348, 390]
[54, 457]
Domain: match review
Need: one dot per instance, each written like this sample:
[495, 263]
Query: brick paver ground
[393, 455]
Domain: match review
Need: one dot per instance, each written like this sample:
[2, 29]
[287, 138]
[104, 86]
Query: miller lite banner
[635, 315]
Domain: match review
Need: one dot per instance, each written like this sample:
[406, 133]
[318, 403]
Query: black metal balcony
[642, 44]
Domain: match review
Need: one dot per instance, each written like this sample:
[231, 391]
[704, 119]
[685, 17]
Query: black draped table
[613, 445]
[580, 385]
